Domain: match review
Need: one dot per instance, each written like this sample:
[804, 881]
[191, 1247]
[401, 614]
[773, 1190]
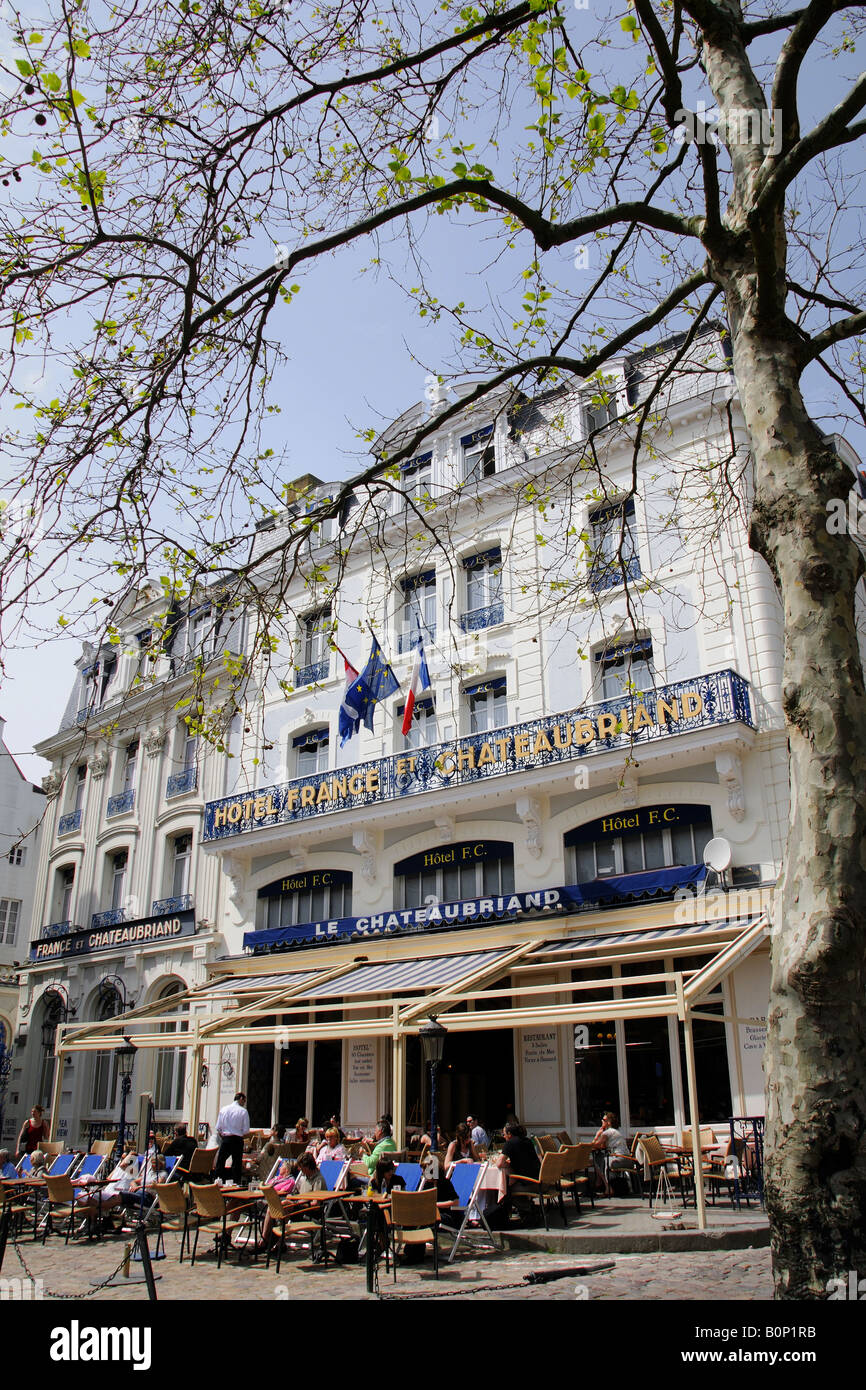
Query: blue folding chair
[412, 1174]
[466, 1179]
[334, 1171]
[170, 1161]
[91, 1166]
[25, 1167]
[63, 1166]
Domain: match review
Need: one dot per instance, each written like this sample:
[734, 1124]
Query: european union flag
[376, 682]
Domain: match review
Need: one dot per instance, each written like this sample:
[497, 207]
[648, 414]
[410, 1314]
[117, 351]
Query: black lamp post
[432, 1037]
[125, 1062]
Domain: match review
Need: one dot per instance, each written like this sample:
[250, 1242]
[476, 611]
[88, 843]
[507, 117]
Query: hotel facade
[528, 864]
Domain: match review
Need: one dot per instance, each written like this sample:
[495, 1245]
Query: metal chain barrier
[49, 1293]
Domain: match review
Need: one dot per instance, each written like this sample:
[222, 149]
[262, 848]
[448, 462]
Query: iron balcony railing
[607, 574]
[55, 929]
[409, 638]
[311, 675]
[714, 699]
[488, 616]
[180, 782]
[117, 805]
[112, 918]
[71, 821]
[163, 906]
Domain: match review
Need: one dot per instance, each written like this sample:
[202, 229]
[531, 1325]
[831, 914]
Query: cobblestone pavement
[695, 1276]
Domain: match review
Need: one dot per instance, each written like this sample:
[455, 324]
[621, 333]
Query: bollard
[126, 1258]
[4, 1230]
[372, 1232]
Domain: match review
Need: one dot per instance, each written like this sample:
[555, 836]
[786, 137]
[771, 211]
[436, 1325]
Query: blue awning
[650, 884]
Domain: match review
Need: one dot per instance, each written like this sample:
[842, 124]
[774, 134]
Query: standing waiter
[232, 1128]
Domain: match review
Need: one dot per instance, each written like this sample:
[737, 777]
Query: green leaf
[80, 48]
[23, 67]
[52, 81]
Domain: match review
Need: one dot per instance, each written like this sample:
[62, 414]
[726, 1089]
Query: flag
[419, 680]
[376, 682]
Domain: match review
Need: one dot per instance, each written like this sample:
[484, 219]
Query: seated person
[331, 1147]
[308, 1178]
[284, 1181]
[38, 1164]
[182, 1147]
[7, 1169]
[116, 1189]
[518, 1159]
[612, 1143]
[480, 1137]
[301, 1132]
[381, 1143]
[334, 1123]
[461, 1149]
[386, 1177]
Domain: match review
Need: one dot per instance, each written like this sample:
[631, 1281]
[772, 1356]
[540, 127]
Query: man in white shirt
[479, 1135]
[232, 1128]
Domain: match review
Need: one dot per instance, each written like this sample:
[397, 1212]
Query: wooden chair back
[565, 1139]
[171, 1198]
[103, 1147]
[50, 1147]
[60, 1189]
[652, 1147]
[201, 1161]
[547, 1144]
[209, 1200]
[275, 1202]
[412, 1210]
[576, 1159]
[551, 1170]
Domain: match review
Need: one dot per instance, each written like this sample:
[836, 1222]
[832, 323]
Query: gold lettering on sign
[641, 719]
[583, 731]
[693, 703]
[542, 743]
[485, 755]
[667, 709]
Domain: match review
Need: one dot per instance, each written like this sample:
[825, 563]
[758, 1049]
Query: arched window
[449, 873]
[168, 1089]
[54, 1010]
[104, 1091]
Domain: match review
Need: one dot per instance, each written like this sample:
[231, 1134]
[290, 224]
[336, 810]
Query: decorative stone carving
[628, 787]
[730, 771]
[445, 826]
[154, 742]
[367, 845]
[98, 764]
[530, 811]
[235, 873]
[52, 782]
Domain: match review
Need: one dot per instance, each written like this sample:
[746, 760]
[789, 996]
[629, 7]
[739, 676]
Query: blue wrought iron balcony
[117, 805]
[55, 929]
[180, 782]
[408, 640]
[162, 906]
[311, 675]
[71, 821]
[609, 574]
[112, 918]
[488, 616]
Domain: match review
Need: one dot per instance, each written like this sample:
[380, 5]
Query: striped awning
[396, 977]
[257, 984]
[589, 942]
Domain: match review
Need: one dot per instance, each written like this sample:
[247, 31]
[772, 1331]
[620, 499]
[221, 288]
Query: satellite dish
[718, 855]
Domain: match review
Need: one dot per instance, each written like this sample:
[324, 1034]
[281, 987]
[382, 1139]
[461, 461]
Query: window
[315, 653]
[129, 767]
[320, 897]
[17, 856]
[658, 845]
[711, 1053]
[10, 911]
[483, 590]
[488, 705]
[117, 871]
[311, 752]
[612, 528]
[466, 873]
[418, 614]
[598, 411]
[188, 748]
[65, 888]
[416, 477]
[98, 678]
[422, 730]
[201, 634]
[479, 455]
[169, 1085]
[79, 787]
[596, 1075]
[621, 670]
[181, 859]
[104, 1091]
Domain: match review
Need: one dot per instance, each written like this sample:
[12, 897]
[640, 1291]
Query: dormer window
[479, 455]
[311, 752]
[416, 477]
[599, 408]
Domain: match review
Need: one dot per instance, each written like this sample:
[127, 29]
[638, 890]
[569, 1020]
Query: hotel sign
[153, 931]
[719, 698]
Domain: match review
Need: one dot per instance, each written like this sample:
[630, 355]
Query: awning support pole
[195, 1088]
[56, 1089]
[398, 1087]
[697, 1160]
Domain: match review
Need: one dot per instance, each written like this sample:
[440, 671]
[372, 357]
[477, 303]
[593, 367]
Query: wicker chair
[413, 1220]
[211, 1211]
[285, 1220]
[172, 1214]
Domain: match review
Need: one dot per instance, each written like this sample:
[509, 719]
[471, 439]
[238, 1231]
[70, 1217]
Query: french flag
[419, 681]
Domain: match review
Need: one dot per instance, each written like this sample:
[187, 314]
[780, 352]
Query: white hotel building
[527, 864]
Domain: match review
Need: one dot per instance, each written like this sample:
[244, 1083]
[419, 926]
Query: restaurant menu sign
[147, 931]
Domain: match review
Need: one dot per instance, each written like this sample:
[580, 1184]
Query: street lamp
[125, 1063]
[432, 1037]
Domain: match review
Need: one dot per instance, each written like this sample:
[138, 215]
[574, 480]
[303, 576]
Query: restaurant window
[596, 1078]
[479, 455]
[422, 730]
[451, 873]
[647, 1053]
[653, 844]
[418, 611]
[488, 705]
[711, 1053]
[168, 1090]
[614, 555]
[320, 895]
[311, 752]
[104, 1089]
